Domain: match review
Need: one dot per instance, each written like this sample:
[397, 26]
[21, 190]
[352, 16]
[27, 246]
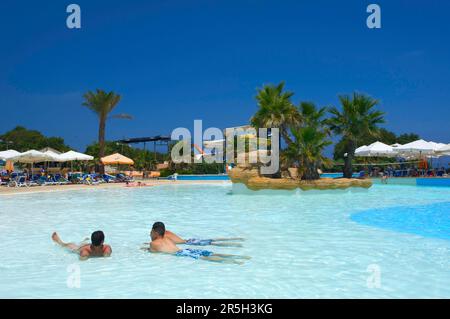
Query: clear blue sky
[176, 61]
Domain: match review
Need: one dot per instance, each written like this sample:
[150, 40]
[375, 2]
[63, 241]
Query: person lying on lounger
[162, 244]
[96, 248]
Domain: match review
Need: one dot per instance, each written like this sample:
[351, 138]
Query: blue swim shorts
[194, 253]
[199, 242]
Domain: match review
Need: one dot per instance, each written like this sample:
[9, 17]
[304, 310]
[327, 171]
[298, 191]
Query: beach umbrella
[360, 150]
[54, 157]
[438, 147]
[419, 147]
[378, 149]
[75, 156]
[444, 150]
[116, 159]
[7, 154]
[31, 157]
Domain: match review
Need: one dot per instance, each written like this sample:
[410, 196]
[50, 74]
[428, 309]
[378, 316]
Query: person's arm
[175, 238]
[154, 248]
[84, 255]
[107, 252]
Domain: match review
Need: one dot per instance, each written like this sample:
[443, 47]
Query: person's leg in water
[232, 256]
[227, 242]
[229, 239]
[217, 259]
[223, 242]
[70, 246]
[226, 259]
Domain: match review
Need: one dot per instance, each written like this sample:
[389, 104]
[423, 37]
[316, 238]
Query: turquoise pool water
[302, 244]
[203, 177]
[336, 175]
[431, 220]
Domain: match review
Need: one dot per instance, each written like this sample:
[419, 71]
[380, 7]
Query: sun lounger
[61, 180]
[20, 181]
[109, 178]
[123, 178]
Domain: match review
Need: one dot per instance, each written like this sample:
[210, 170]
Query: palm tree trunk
[286, 137]
[348, 167]
[311, 172]
[101, 141]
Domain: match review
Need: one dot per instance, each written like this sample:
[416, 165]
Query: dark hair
[159, 228]
[97, 238]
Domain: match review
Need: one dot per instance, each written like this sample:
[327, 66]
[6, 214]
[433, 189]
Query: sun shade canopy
[7, 154]
[33, 156]
[375, 149]
[75, 156]
[116, 159]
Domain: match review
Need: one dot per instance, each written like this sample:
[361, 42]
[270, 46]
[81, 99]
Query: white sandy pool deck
[63, 188]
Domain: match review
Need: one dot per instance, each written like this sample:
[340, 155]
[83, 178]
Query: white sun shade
[7, 154]
[32, 156]
[419, 146]
[376, 149]
[75, 156]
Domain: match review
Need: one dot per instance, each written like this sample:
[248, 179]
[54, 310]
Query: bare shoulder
[169, 234]
[84, 252]
[107, 250]
[155, 246]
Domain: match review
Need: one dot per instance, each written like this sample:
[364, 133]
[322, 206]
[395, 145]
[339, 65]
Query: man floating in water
[224, 242]
[163, 243]
[96, 248]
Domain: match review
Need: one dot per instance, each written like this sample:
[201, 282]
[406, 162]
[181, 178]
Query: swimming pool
[336, 175]
[203, 177]
[303, 244]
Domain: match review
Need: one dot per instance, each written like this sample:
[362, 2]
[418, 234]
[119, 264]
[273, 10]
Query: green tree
[275, 110]
[385, 136]
[407, 138]
[143, 159]
[22, 139]
[310, 140]
[102, 103]
[356, 120]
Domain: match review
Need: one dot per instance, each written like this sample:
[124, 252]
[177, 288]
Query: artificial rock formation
[250, 177]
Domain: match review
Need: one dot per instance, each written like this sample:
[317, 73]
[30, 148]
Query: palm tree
[307, 149]
[357, 120]
[311, 115]
[102, 103]
[275, 110]
[310, 140]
